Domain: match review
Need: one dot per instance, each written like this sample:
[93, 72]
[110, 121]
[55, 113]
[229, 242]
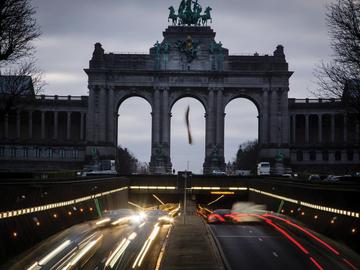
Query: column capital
[161, 88]
[216, 88]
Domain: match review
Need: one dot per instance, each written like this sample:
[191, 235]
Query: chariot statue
[189, 14]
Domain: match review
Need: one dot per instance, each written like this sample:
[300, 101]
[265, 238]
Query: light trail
[306, 232]
[55, 252]
[120, 249]
[144, 250]
[136, 205]
[87, 248]
[214, 201]
[158, 199]
[103, 221]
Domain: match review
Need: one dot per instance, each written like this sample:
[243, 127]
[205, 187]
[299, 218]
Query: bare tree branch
[340, 77]
[18, 29]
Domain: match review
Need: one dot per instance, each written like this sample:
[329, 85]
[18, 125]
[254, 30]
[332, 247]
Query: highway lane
[275, 244]
[258, 247]
[89, 246]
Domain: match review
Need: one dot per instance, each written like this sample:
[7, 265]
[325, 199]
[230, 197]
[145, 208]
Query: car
[160, 216]
[314, 178]
[332, 178]
[216, 172]
[221, 216]
[119, 217]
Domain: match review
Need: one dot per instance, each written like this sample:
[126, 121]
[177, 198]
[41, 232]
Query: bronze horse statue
[206, 16]
[172, 15]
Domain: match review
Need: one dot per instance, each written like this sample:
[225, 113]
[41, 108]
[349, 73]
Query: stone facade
[165, 75]
[187, 63]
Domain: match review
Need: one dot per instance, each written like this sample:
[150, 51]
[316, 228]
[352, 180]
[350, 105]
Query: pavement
[191, 246]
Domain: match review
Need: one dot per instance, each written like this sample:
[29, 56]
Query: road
[91, 246]
[277, 243]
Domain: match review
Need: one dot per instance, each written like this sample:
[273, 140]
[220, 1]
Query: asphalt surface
[279, 245]
[128, 240]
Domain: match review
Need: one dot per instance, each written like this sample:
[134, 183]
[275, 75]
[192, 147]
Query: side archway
[241, 129]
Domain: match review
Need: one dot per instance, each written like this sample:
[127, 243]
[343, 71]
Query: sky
[71, 28]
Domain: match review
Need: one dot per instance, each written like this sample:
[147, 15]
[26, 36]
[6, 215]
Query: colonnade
[49, 127]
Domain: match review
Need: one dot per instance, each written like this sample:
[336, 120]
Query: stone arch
[175, 96]
[254, 98]
[121, 96]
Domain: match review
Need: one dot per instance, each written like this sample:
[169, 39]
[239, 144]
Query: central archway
[183, 155]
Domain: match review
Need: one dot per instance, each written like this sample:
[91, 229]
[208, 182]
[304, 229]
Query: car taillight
[214, 217]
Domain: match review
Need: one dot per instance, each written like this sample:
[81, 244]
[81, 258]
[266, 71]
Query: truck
[263, 168]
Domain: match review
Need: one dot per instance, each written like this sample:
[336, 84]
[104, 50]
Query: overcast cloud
[70, 29]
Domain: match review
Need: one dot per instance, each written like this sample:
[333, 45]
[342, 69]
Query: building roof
[17, 85]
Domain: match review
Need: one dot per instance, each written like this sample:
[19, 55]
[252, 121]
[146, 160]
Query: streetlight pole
[185, 180]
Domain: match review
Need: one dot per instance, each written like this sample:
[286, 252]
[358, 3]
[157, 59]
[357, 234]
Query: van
[263, 168]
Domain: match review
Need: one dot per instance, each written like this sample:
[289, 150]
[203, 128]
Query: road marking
[250, 231]
[275, 254]
[260, 239]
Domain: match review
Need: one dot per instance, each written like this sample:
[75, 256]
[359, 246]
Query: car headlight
[166, 219]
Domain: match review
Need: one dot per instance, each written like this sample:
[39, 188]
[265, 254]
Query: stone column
[166, 115]
[307, 130]
[284, 131]
[332, 131]
[42, 125]
[90, 117]
[156, 118]
[30, 114]
[68, 126]
[166, 118]
[320, 128]
[101, 119]
[156, 163]
[82, 121]
[274, 120]
[210, 128]
[6, 126]
[345, 128]
[56, 124]
[111, 116]
[264, 118]
[18, 124]
[294, 128]
[220, 126]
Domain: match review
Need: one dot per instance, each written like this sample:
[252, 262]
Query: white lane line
[275, 254]
[260, 239]
[250, 231]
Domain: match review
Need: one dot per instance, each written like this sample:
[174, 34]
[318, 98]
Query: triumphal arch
[188, 62]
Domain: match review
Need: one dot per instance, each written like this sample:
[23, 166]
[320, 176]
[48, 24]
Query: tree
[340, 77]
[20, 80]
[247, 156]
[18, 29]
[126, 163]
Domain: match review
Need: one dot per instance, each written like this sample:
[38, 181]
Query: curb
[216, 246]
